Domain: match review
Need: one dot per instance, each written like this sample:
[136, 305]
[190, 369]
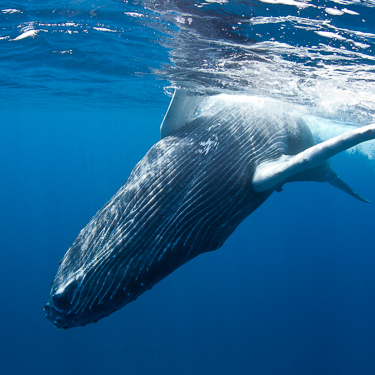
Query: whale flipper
[271, 173]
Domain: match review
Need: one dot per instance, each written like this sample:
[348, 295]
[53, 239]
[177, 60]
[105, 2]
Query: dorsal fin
[271, 174]
[180, 112]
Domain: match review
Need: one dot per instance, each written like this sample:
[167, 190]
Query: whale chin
[64, 320]
[218, 160]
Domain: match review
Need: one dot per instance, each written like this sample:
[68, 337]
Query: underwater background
[84, 86]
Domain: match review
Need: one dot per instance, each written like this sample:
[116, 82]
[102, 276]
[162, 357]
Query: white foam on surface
[27, 34]
[334, 11]
[299, 4]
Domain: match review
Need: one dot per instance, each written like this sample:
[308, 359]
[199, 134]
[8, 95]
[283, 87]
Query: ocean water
[84, 86]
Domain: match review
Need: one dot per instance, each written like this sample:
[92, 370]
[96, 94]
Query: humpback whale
[219, 158]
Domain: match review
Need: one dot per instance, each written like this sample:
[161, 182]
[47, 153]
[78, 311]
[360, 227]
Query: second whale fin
[337, 182]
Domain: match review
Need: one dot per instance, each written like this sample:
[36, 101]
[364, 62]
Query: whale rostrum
[219, 158]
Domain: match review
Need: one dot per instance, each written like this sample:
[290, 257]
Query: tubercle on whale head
[75, 302]
[59, 306]
[60, 311]
[63, 314]
[62, 308]
[64, 321]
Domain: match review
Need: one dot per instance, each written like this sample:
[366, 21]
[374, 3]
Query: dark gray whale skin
[185, 197]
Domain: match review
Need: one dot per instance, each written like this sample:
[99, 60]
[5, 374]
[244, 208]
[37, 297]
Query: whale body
[219, 159]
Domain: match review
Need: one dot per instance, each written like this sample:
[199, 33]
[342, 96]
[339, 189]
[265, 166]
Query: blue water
[293, 289]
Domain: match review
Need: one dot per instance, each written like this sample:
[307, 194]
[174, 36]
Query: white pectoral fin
[271, 173]
[180, 112]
